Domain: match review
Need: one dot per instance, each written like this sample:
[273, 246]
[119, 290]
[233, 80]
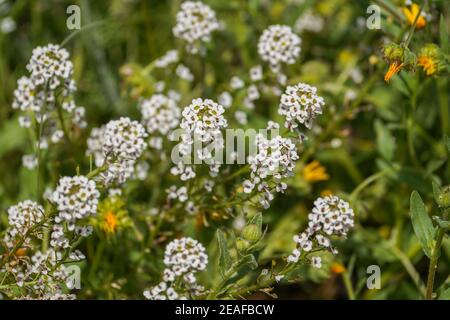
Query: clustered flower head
[22, 217]
[330, 216]
[48, 86]
[202, 121]
[300, 105]
[183, 258]
[75, 198]
[274, 160]
[123, 143]
[194, 23]
[279, 44]
[160, 114]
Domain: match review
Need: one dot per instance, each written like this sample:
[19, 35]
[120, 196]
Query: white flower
[51, 65]
[24, 215]
[194, 24]
[316, 262]
[95, 145]
[225, 99]
[256, 73]
[75, 198]
[180, 194]
[168, 58]
[185, 255]
[333, 215]
[7, 25]
[29, 161]
[278, 44]
[300, 104]
[241, 117]
[252, 93]
[204, 119]
[159, 114]
[236, 83]
[309, 21]
[184, 73]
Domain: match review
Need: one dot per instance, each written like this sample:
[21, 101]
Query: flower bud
[443, 198]
[251, 233]
[242, 244]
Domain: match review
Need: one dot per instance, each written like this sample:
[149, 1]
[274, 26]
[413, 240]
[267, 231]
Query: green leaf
[250, 261]
[385, 141]
[444, 36]
[436, 191]
[447, 142]
[224, 254]
[423, 227]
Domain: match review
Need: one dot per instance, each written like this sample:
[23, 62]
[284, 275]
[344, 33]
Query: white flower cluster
[160, 114]
[22, 217]
[51, 65]
[194, 23]
[300, 104]
[168, 58]
[75, 198]
[278, 44]
[331, 216]
[163, 292]
[42, 275]
[309, 21]
[48, 85]
[202, 121]
[274, 160]
[183, 258]
[123, 143]
[95, 145]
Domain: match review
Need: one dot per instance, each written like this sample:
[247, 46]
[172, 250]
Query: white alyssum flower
[204, 119]
[29, 161]
[185, 255]
[24, 215]
[173, 193]
[195, 23]
[50, 64]
[300, 105]
[75, 198]
[184, 73]
[7, 25]
[124, 139]
[256, 73]
[309, 21]
[274, 160]
[279, 44]
[236, 83]
[333, 215]
[168, 58]
[160, 114]
[225, 99]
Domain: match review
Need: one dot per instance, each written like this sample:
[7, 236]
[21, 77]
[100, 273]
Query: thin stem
[366, 183]
[433, 263]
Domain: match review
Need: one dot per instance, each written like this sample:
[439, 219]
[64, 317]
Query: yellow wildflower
[411, 12]
[111, 216]
[314, 172]
[429, 59]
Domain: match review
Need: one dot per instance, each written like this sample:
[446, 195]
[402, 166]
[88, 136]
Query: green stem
[433, 263]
